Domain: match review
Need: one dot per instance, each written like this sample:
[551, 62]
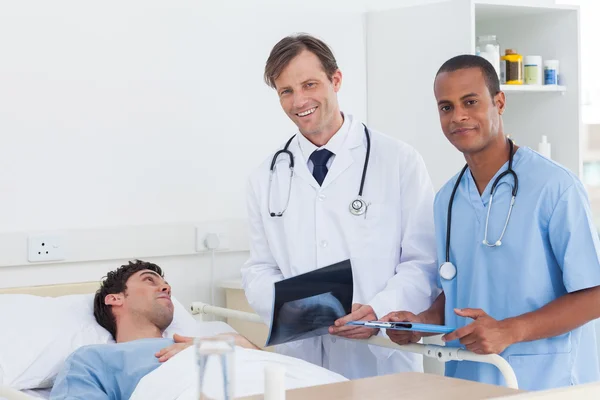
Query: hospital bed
[441, 353]
[199, 309]
[300, 373]
[83, 288]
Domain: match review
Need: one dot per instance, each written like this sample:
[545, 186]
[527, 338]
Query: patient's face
[148, 296]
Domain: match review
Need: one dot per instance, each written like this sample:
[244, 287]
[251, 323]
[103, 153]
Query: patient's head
[135, 297]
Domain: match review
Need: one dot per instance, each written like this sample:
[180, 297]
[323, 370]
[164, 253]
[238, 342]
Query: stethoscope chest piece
[447, 271]
[358, 207]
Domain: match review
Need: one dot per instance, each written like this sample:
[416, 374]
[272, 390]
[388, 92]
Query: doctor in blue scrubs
[520, 280]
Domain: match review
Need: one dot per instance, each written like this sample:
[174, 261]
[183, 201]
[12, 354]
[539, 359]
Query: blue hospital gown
[550, 248]
[107, 371]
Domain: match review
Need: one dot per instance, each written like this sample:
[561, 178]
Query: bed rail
[441, 353]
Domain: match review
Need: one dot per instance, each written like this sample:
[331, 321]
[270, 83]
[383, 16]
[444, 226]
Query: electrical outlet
[45, 248]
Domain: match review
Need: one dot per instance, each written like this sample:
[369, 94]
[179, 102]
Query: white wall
[143, 112]
[120, 115]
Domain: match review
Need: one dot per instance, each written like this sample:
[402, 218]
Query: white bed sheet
[204, 329]
[177, 378]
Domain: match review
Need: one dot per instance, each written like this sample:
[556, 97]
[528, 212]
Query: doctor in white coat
[303, 222]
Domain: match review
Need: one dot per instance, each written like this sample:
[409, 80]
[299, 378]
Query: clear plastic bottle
[489, 48]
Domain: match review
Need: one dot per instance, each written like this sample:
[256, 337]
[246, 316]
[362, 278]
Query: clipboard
[404, 326]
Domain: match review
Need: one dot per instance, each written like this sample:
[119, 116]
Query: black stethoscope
[357, 207]
[447, 269]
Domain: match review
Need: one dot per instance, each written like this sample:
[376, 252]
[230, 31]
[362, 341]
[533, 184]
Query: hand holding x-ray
[360, 312]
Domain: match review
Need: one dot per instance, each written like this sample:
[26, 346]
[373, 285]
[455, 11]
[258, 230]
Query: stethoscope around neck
[447, 269]
[358, 206]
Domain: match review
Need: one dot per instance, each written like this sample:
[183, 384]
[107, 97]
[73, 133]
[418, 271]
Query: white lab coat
[392, 250]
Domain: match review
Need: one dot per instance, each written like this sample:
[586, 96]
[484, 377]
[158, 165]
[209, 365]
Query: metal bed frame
[441, 353]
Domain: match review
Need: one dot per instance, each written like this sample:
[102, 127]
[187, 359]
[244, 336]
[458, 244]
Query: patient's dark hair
[116, 282]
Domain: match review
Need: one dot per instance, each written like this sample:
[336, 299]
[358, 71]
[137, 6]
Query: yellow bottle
[512, 67]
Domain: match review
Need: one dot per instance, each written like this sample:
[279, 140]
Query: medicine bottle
[512, 66]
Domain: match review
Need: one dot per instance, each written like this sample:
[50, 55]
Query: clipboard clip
[384, 325]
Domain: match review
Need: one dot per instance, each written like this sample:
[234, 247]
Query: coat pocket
[376, 233]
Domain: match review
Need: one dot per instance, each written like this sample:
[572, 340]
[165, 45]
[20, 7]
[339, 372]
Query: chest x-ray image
[307, 305]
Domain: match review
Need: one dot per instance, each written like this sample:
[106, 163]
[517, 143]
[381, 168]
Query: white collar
[334, 144]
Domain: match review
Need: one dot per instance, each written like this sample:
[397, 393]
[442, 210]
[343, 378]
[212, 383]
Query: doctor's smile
[307, 112]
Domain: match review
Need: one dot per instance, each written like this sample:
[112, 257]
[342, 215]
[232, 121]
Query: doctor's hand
[403, 337]
[181, 343]
[360, 312]
[484, 335]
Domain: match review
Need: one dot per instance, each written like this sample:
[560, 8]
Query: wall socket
[45, 248]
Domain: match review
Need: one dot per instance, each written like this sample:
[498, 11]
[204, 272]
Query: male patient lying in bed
[134, 305]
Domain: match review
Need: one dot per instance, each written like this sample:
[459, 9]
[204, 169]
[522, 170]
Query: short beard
[161, 317]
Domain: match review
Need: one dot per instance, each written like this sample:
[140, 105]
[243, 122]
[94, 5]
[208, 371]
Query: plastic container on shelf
[533, 71]
[512, 68]
[489, 48]
[551, 72]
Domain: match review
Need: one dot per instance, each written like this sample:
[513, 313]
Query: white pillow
[37, 334]
[183, 322]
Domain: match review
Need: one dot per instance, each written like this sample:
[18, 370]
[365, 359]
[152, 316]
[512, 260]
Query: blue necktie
[319, 159]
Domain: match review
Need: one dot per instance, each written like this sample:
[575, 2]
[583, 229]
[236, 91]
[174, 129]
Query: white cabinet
[406, 46]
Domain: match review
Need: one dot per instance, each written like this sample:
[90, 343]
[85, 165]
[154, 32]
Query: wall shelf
[550, 31]
[533, 88]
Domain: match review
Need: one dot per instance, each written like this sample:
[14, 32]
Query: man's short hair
[116, 282]
[289, 47]
[470, 61]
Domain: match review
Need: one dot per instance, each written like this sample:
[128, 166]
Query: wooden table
[405, 385]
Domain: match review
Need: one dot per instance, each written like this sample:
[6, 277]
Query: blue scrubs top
[107, 371]
[550, 248]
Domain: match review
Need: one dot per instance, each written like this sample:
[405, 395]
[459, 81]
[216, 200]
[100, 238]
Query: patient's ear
[113, 299]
